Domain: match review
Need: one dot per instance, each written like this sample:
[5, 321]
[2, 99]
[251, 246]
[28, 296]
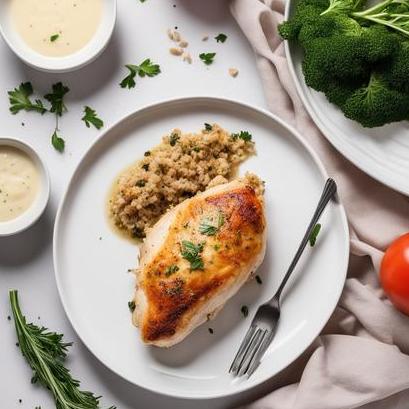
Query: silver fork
[264, 324]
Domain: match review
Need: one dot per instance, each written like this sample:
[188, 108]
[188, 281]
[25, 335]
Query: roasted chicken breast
[196, 257]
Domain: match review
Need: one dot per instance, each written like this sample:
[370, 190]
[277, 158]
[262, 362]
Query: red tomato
[395, 273]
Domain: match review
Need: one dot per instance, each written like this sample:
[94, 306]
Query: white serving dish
[32, 214]
[91, 261]
[382, 152]
[59, 64]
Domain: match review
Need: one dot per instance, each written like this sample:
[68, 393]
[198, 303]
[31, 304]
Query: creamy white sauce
[19, 182]
[56, 28]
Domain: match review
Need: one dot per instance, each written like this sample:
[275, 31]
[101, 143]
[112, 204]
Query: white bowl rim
[70, 62]
[26, 220]
[146, 108]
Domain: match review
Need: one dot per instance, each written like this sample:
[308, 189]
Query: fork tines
[250, 352]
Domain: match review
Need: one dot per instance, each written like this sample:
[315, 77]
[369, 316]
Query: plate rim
[163, 103]
[352, 155]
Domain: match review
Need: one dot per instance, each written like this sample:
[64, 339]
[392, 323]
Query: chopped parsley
[19, 99]
[145, 166]
[56, 98]
[216, 247]
[91, 118]
[54, 37]
[314, 234]
[208, 127]
[131, 306]
[259, 280]
[174, 137]
[147, 153]
[245, 135]
[140, 183]
[245, 311]
[207, 58]
[207, 227]
[221, 38]
[146, 68]
[57, 142]
[172, 269]
[192, 253]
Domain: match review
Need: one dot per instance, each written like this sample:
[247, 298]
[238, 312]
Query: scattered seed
[233, 72]
[183, 44]
[187, 57]
[176, 51]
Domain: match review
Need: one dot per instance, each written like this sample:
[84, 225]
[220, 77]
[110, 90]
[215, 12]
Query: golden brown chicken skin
[213, 244]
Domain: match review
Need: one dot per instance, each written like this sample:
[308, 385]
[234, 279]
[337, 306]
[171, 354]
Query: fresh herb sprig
[91, 118]
[19, 99]
[244, 135]
[192, 253]
[207, 58]
[46, 352]
[146, 68]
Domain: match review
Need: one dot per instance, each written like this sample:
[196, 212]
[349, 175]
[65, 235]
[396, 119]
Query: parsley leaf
[245, 135]
[146, 68]
[57, 142]
[245, 311]
[208, 127]
[314, 234]
[208, 229]
[56, 98]
[19, 100]
[207, 58]
[221, 38]
[54, 37]
[91, 117]
[131, 306]
[172, 269]
[191, 252]
[174, 137]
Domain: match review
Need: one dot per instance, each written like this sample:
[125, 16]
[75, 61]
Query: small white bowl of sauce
[24, 186]
[57, 35]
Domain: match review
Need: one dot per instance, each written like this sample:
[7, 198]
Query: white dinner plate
[382, 152]
[91, 261]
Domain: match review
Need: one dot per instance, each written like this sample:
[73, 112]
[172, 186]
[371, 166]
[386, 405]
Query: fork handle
[329, 191]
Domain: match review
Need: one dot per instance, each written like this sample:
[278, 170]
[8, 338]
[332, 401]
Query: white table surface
[26, 259]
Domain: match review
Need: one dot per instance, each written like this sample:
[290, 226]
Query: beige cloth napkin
[362, 356]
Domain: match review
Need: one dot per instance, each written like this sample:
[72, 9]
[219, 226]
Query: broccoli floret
[379, 43]
[376, 104]
[396, 72]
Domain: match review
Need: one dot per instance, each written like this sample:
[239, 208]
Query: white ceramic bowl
[59, 64]
[31, 215]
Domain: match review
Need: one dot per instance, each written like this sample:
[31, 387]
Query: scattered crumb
[176, 51]
[23, 124]
[233, 72]
[183, 44]
[205, 37]
[8, 317]
[211, 330]
[187, 57]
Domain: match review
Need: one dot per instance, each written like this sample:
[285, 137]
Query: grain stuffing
[176, 169]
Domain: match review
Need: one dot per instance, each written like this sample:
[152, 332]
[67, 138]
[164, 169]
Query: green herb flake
[91, 118]
[173, 138]
[244, 135]
[131, 306]
[57, 142]
[140, 183]
[146, 68]
[192, 253]
[172, 269]
[54, 37]
[56, 98]
[207, 227]
[216, 247]
[245, 311]
[208, 127]
[211, 330]
[207, 58]
[145, 166]
[314, 234]
[221, 38]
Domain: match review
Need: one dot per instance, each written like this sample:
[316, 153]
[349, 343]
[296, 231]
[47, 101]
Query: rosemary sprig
[45, 352]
